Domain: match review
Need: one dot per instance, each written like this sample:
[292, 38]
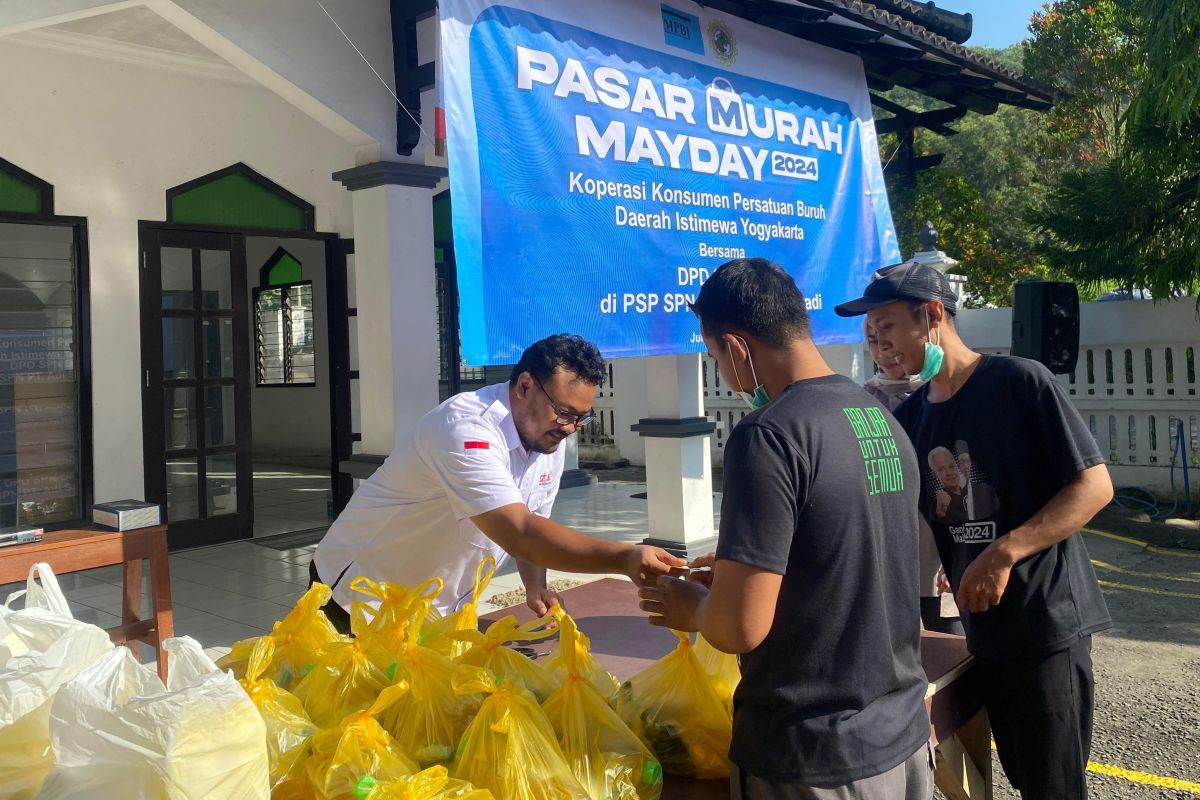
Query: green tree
[1134, 218]
[979, 197]
[957, 209]
[1088, 50]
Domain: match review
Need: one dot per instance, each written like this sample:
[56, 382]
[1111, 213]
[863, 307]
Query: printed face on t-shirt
[945, 469]
[958, 495]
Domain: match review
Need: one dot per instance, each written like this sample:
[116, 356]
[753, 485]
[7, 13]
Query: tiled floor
[234, 591]
[289, 498]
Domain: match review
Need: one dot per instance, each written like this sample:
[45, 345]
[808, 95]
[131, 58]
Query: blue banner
[598, 177]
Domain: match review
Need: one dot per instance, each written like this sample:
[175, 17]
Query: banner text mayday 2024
[596, 181]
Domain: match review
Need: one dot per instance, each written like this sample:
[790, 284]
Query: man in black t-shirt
[814, 581]
[1031, 478]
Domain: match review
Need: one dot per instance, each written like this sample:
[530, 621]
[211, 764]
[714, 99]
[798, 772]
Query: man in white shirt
[476, 477]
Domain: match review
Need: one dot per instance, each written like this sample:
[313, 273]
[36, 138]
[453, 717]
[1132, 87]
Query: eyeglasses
[565, 416]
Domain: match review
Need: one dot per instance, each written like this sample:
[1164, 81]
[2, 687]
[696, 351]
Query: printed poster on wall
[606, 157]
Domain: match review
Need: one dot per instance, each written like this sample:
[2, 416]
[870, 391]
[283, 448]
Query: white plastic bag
[44, 596]
[119, 734]
[47, 594]
[45, 649]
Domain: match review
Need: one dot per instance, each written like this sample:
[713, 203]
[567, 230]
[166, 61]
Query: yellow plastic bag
[348, 676]
[358, 746]
[429, 720]
[487, 650]
[297, 637]
[585, 663]
[721, 668]
[294, 789]
[288, 725]
[431, 784]
[604, 754]
[391, 606]
[437, 631]
[672, 706]
[510, 749]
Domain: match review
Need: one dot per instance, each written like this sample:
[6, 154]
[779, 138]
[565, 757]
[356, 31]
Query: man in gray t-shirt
[814, 581]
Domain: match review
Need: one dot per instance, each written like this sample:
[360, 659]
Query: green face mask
[758, 398]
[934, 354]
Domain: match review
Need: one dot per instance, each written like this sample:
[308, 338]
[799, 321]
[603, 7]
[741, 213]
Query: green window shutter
[286, 270]
[19, 197]
[236, 200]
[281, 268]
[443, 231]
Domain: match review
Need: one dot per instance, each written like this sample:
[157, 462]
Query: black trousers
[1041, 714]
[337, 615]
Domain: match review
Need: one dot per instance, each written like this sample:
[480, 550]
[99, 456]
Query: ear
[736, 346]
[524, 384]
[936, 311]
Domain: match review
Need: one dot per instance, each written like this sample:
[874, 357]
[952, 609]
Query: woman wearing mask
[891, 386]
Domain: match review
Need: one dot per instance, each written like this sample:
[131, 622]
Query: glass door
[196, 384]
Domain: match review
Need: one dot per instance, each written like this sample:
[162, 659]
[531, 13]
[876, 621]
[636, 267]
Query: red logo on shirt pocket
[544, 479]
[475, 445]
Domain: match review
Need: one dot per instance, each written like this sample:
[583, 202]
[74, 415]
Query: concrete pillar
[572, 475]
[678, 468]
[629, 383]
[396, 297]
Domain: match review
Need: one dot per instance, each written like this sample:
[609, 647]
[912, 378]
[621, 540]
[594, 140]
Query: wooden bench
[69, 551]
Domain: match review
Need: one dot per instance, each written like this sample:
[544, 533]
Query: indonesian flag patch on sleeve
[475, 445]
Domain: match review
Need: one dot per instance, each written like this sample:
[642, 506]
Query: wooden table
[607, 612]
[75, 550]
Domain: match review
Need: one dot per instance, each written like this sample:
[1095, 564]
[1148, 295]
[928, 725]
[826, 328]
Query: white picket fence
[1134, 384]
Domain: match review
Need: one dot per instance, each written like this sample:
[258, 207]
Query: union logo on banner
[722, 41]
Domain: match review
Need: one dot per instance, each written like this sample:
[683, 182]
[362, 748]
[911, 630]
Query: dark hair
[752, 295]
[573, 353]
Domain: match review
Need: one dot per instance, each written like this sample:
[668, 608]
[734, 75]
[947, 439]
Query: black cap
[910, 280]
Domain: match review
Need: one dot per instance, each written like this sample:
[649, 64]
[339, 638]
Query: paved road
[1147, 726]
[1147, 675]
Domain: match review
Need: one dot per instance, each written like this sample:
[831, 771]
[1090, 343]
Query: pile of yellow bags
[421, 706]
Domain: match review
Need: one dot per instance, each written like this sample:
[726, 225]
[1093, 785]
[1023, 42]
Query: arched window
[284, 350]
[44, 427]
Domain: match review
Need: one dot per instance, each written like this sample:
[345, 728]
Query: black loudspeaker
[1045, 323]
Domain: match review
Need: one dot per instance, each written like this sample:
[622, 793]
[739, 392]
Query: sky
[998, 23]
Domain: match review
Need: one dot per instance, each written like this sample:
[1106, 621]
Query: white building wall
[112, 137]
[289, 46]
[292, 47]
[1140, 386]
